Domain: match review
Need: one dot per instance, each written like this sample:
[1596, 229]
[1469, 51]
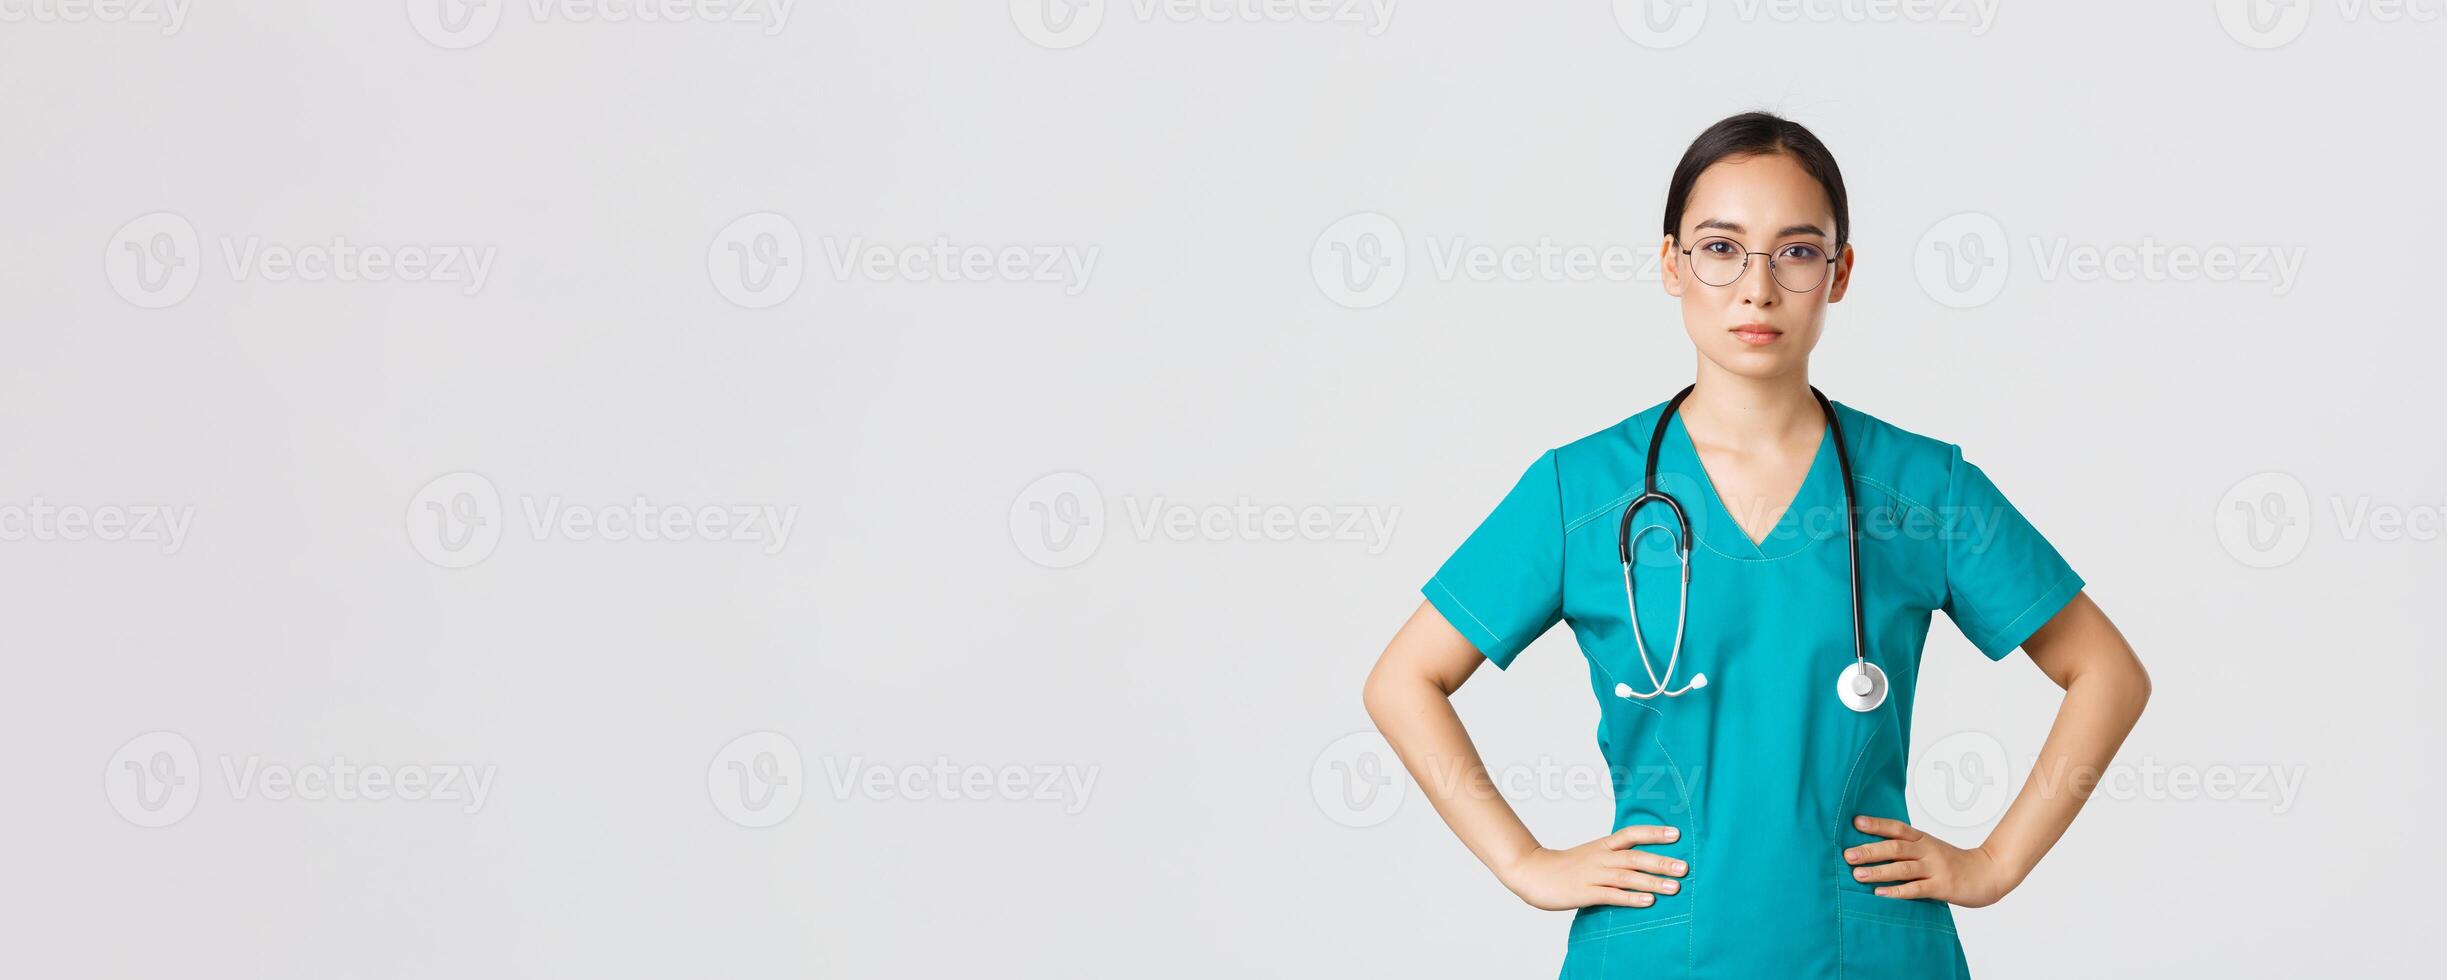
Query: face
[1754, 325]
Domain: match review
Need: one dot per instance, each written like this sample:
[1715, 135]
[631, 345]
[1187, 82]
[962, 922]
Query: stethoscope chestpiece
[1862, 686]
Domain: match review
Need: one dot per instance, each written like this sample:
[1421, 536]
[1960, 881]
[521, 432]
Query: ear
[1669, 260]
[1842, 275]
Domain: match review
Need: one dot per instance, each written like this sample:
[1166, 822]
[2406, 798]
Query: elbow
[1390, 691]
[2129, 687]
[1376, 696]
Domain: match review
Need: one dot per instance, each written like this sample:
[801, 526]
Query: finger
[1909, 889]
[1642, 834]
[1639, 860]
[1897, 871]
[1617, 896]
[1876, 851]
[1638, 882]
[1883, 827]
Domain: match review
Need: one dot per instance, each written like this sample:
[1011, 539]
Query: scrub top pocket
[1909, 938]
[1610, 942]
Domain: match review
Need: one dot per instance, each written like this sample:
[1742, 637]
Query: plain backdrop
[1111, 460]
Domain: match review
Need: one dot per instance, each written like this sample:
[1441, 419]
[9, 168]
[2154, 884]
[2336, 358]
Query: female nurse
[1759, 812]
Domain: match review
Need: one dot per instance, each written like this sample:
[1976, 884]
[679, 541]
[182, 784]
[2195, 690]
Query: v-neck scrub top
[1764, 768]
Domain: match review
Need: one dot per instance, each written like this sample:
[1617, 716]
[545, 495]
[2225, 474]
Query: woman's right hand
[1610, 870]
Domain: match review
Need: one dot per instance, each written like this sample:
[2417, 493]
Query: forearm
[2099, 710]
[1418, 720]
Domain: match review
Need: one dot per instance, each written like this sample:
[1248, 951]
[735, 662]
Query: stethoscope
[1861, 685]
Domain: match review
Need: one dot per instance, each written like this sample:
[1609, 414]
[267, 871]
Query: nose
[1757, 284]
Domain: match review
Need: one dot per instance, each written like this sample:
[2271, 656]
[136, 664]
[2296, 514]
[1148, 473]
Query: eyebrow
[1737, 229]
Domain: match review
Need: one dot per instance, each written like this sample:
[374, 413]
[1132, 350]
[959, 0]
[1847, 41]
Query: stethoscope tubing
[1681, 535]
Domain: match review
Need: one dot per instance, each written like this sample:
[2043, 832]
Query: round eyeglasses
[1797, 266]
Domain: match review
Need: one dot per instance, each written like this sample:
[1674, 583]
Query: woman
[1758, 751]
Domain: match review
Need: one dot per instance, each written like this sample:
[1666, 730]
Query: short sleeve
[1504, 586]
[2003, 580]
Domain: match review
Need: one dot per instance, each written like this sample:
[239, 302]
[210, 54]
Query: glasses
[1797, 266]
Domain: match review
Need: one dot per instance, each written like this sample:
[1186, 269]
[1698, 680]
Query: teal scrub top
[1764, 768]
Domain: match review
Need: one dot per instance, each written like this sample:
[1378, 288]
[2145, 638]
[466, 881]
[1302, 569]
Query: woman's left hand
[1925, 867]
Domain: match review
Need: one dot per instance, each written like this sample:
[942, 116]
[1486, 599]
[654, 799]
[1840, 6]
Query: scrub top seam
[1882, 487]
[1466, 610]
[1616, 505]
[2044, 595]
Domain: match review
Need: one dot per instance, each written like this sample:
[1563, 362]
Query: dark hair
[1755, 134]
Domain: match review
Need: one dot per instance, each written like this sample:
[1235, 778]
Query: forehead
[1763, 194]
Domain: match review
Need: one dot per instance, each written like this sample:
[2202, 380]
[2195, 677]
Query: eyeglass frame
[1834, 252]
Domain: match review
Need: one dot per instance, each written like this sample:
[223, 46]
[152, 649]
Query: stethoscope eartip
[1699, 680]
[1622, 690]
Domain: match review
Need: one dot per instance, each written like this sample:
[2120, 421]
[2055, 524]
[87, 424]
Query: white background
[933, 606]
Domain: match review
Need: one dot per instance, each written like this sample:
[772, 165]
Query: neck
[1752, 411]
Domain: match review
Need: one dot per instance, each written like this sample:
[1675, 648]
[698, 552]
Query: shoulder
[1600, 471]
[1887, 458]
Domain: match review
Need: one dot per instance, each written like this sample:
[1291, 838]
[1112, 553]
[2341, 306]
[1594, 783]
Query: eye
[1803, 252]
[1719, 246]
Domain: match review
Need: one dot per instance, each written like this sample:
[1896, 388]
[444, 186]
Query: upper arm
[1503, 587]
[2004, 580]
[1429, 648]
[2079, 640]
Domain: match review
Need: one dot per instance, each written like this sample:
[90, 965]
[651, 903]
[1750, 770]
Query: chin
[1745, 361]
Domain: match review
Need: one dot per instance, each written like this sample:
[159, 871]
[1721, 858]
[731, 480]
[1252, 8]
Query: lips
[1756, 334]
